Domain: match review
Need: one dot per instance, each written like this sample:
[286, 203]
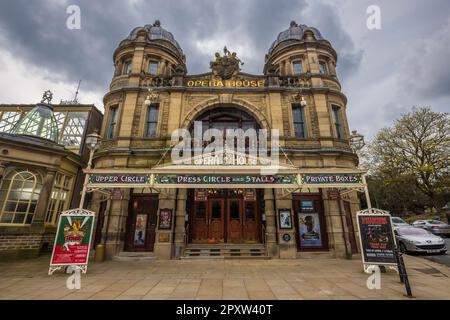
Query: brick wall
[10, 242]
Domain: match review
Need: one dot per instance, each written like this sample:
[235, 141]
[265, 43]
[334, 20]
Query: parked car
[434, 226]
[412, 239]
[399, 222]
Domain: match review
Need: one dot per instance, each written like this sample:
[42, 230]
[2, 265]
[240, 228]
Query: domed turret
[154, 32]
[295, 32]
[40, 122]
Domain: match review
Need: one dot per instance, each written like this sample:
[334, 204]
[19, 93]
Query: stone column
[288, 249]
[271, 224]
[114, 227]
[38, 224]
[3, 166]
[164, 238]
[334, 225]
[180, 223]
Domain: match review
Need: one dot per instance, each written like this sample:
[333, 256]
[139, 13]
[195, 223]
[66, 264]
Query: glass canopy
[39, 122]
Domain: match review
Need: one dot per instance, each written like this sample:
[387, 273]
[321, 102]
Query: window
[323, 67]
[59, 198]
[19, 196]
[337, 121]
[151, 121]
[298, 117]
[127, 67]
[74, 126]
[297, 65]
[8, 120]
[153, 67]
[112, 121]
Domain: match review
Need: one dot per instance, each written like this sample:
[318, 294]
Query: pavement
[218, 279]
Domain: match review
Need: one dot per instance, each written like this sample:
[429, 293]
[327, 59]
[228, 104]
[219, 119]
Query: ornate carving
[227, 66]
[47, 97]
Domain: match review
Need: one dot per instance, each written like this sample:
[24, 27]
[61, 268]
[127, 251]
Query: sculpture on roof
[226, 66]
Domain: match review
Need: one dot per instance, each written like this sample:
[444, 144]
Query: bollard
[99, 253]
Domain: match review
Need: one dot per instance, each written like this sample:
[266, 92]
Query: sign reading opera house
[176, 208]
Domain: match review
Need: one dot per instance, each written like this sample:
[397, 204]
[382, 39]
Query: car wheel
[403, 248]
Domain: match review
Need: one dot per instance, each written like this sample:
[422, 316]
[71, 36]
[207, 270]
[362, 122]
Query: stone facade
[315, 86]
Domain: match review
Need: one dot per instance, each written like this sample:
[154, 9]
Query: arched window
[19, 195]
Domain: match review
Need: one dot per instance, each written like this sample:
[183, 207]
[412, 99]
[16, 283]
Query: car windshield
[398, 220]
[435, 222]
[411, 231]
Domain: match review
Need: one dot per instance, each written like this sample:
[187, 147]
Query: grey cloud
[36, 32]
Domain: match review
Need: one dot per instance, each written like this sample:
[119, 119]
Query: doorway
[225, 216]
[141, 223]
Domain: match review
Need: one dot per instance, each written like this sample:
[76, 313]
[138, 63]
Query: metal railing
[186, 238]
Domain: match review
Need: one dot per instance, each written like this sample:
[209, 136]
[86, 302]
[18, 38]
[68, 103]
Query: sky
[384, 73]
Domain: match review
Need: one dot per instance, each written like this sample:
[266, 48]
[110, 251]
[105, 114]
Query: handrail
[186, 238]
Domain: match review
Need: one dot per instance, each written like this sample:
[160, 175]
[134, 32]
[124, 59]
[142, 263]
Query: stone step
[134, 256]
[225, 251]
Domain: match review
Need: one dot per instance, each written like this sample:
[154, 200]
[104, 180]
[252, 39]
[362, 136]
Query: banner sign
[328, 178]
[194, 179]
[118, 178]
[73, 239]
[377, 239]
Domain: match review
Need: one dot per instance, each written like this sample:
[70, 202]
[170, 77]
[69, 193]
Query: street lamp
[300, 98]
[92, 143]
[357, 143]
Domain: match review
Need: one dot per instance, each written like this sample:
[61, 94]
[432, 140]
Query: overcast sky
[383, 72]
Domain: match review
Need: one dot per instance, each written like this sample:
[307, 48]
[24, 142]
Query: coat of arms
[226, 66]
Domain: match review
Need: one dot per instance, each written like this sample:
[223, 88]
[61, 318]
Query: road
[443, 259]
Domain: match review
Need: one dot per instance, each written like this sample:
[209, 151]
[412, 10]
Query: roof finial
[47, 96]
[157, 23]
[294, 24]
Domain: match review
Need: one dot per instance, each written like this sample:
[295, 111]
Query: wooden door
[216, 220]
[235, 218]
[250, 228]
[200, 222]
[142, 215]
[350, 227]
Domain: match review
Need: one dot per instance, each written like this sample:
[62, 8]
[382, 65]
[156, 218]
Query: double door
[224, 220]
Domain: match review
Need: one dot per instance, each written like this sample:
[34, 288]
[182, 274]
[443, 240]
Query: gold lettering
[190, 83]
[238, 83]
[246, 83]
[253, 83]
[261, 83]
[219, 83]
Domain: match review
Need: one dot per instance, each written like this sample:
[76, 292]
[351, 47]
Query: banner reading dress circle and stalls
[376, 237]
[73, 239]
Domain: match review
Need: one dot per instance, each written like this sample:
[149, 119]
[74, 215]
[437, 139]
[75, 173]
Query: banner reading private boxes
[331, 178]
[377, 239]
[73, 238]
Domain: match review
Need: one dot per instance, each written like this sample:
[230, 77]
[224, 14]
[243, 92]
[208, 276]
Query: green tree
[413, 155]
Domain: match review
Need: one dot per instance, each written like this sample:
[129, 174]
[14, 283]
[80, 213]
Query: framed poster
[72, 240]
[377, 239]
[140, 229]
[165, 219]
[310, 233]
[285, 218]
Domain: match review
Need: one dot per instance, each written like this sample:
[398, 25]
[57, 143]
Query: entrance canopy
[225, 177]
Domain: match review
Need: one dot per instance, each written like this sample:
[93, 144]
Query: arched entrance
[225, 215]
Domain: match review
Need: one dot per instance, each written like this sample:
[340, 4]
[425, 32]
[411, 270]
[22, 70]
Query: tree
[415, 150]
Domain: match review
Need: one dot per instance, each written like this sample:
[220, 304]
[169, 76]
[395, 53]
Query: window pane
[201, 210]
[7, 218]
[250, 210]
[216, 210]
[153, 68]
[19, 218]
[297, 67]
[8, 121]
[234, 210]
[323, 68]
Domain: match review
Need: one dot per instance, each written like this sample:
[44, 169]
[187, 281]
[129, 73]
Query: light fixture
[93, 140]
[152, 97]
[299, 98]
[356, 141]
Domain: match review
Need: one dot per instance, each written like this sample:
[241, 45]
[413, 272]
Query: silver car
[411, 239]
[399, 222]
[434, 226]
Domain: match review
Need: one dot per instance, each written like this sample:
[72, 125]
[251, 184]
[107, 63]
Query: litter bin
[99, 253]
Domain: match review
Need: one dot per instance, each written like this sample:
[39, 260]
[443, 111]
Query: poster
[165, 219]
[285, 219]
[139, 230]
[73, 238]
[377, 239]
[309, 230]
